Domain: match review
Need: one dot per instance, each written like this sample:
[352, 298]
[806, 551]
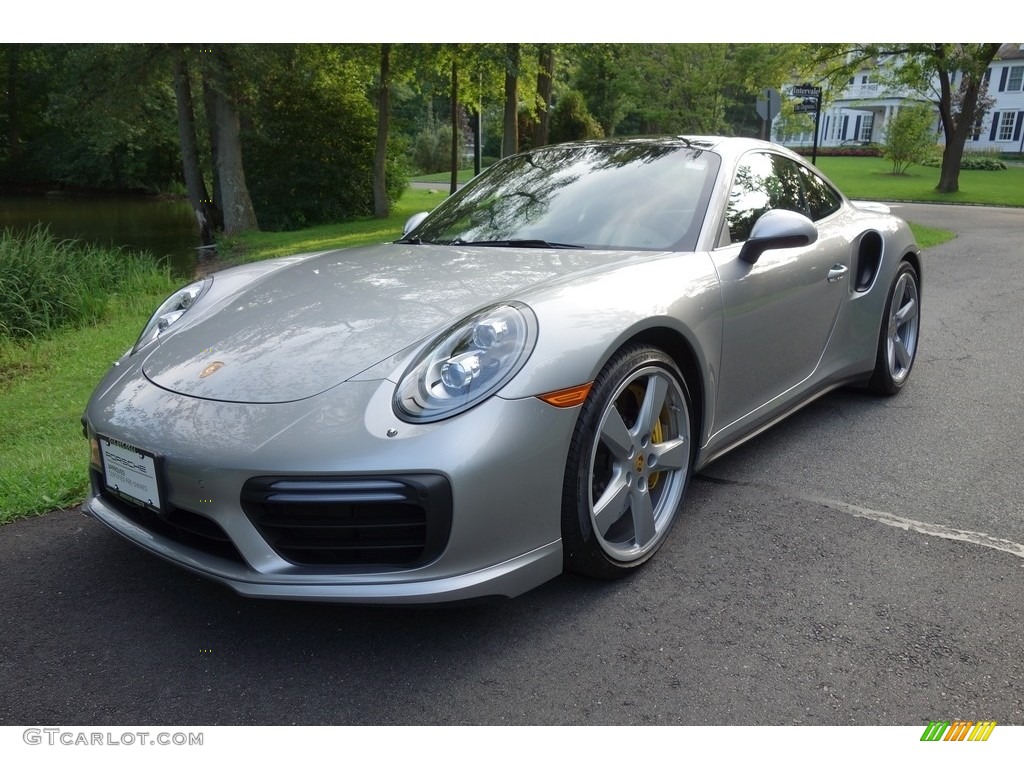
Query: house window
[866, 126]
[976, 132]
[1006, 121]
[1014, 81]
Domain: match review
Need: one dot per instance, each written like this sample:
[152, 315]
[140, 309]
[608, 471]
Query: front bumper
[503, 463]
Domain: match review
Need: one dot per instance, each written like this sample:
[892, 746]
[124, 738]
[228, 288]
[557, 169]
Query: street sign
[805, 108]
[768, 107]
[806, 90]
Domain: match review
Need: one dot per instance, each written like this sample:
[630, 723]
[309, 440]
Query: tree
[381, 203]
[510, 143]
[958, 115]
[195, 186]
[909, 137]
[236, 204]
[952, 75]
[545, 85]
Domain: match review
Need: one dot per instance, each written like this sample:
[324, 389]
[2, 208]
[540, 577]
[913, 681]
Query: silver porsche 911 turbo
[523, 383]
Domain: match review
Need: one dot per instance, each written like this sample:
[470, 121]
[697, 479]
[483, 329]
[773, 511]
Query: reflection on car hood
[312, 325]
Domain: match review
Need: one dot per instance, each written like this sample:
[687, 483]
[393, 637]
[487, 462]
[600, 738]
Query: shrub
[910, 137]
[860, 150]
[432, 149]
[973, 161]
[571, 120]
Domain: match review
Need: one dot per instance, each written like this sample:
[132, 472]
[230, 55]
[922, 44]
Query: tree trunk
[455, 128]
[510, 142]
[210, 107]
[194, 183]
[381, 204]
[13, 116]
[545, 79]
[956, 127]
[239, 215]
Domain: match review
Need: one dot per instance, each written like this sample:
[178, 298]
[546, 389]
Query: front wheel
[628, 466]
[897, 341]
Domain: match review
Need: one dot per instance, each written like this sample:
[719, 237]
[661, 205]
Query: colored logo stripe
[958, 730]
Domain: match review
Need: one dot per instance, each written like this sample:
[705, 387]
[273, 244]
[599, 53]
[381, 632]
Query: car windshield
[631, 195]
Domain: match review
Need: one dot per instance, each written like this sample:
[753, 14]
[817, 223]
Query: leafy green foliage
[46, 283]
[972, 161]
[97, 116]
[570, 119]
[909, 137]
[432, 149]
[310, 147]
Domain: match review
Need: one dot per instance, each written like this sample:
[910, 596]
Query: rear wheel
[897, 341]
[628, 465]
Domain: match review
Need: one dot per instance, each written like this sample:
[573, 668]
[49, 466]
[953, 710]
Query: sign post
[810, 96]
[767, 107]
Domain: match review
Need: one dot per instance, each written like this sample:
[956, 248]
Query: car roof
[723, 145]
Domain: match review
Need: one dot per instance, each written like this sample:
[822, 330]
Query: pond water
[165, 228]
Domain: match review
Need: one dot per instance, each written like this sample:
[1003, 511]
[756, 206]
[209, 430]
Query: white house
[861, 112]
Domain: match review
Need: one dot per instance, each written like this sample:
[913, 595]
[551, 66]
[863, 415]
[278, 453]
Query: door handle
[838, 272]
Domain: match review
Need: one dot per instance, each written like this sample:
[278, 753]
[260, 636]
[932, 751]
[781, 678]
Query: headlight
[168, 313]
[467, 364]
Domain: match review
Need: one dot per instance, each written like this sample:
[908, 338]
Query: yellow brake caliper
[657, 433]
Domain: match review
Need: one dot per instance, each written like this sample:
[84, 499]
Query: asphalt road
[861, 563]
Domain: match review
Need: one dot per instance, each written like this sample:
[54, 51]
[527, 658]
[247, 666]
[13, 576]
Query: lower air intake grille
[390, 521]
[187, 527]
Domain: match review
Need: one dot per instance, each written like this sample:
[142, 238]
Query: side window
[763, 182]
[822, 200]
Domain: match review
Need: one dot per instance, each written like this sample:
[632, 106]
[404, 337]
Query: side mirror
[778, 229]
[413, 222]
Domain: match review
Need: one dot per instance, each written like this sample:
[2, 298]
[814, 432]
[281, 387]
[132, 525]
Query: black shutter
[1020, 122]
[856, 129]
[995, 126]
[1002, 79]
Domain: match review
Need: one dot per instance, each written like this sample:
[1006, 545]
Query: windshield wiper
[529, 243]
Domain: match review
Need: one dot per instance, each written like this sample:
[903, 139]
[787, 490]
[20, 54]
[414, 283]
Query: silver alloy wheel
[904, 319]
[639, 463]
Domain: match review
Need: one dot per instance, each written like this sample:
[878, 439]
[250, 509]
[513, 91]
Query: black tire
[629, 464]
[899, 334]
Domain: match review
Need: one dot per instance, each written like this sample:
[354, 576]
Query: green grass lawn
[870, 178]
[445, 177]
[254, 246]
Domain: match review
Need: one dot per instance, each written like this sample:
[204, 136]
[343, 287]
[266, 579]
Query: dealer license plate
[131, 472]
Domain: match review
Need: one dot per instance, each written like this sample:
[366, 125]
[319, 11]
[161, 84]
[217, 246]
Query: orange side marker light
[567, 398]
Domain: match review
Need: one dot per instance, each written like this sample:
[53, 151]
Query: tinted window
[822, 200]
[640, 195]
[763, 182]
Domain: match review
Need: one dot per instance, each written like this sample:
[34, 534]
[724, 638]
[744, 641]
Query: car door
[780, 311]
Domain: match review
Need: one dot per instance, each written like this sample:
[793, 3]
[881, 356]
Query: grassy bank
[66, 312]
[47, 283]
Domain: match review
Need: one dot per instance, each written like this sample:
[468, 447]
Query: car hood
[307, 327]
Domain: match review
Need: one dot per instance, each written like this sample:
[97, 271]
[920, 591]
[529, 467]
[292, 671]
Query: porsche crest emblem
[211, 369]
